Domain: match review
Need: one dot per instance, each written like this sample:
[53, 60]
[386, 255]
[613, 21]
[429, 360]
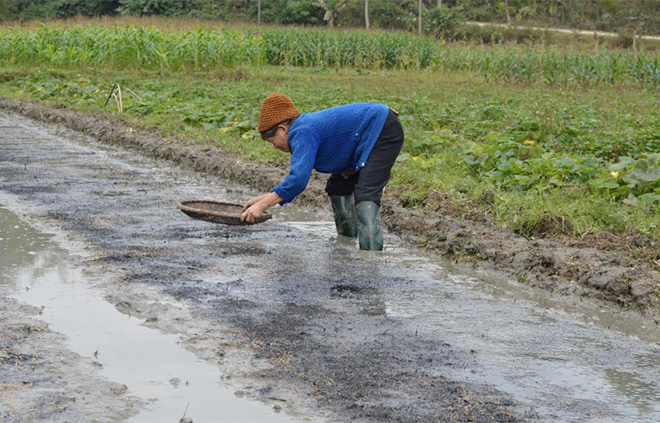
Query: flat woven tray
[217, 212]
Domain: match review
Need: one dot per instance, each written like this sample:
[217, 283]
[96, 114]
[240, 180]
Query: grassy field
[510, 143]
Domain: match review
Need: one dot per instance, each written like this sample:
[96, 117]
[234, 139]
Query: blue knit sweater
[333, 140]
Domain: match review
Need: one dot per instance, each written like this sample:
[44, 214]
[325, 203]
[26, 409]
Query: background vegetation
[207, 49]
[441, 17]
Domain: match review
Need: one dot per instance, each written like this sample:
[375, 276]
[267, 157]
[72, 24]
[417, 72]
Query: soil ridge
[546, 263]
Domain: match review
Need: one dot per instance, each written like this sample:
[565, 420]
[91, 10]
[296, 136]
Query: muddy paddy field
[116, 306]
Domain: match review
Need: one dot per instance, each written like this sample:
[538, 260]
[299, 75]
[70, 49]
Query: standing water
[576, 362]
[171, 381]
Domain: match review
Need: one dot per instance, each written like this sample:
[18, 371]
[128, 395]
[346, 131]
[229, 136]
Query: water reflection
[168, 378]
[19, 244]
[633, 390]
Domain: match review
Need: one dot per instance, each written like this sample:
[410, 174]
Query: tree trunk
[366, 14]
[506, 9]
[596, 41]
[439, 4]
[419, 24]
[259, 12]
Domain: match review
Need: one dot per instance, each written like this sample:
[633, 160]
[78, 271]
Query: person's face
[280, 139]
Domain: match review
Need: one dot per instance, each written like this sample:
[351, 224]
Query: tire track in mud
[298, 320]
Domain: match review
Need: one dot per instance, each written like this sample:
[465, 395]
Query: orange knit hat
[276, 109]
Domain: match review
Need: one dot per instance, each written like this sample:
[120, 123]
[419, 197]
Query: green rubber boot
[343, 208]
[370, 233]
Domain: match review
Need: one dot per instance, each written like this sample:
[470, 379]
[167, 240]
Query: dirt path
[305, 322]
[562, 30]
[548, 264]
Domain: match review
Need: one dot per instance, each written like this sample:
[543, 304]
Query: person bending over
[356, 143]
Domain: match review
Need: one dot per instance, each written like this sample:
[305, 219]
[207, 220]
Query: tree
[69, 8]
[441, 22]
[6, 10]
[297, 12]
[332, 9]
[366, 14]
[635, 19]
[479, 10]
[37, 9]
[156, 7]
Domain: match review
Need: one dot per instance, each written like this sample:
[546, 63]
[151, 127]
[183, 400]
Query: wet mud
[40, 379]
[143, 371]
[542, 263]
[304, 322]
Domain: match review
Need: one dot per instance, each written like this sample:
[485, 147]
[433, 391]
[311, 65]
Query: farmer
[356, 143]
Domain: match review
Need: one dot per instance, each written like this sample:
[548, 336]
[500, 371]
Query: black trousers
[368, 183]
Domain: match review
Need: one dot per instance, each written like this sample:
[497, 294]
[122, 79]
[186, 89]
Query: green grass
[517, 152]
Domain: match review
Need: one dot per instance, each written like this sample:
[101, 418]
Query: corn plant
[205, 49]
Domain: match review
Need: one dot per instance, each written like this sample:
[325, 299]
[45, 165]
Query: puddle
[539, 348]
[170, 380]
[542, 349]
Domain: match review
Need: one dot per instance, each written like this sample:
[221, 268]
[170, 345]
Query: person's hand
[252, 201]
[252, 212]
[255, 207]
